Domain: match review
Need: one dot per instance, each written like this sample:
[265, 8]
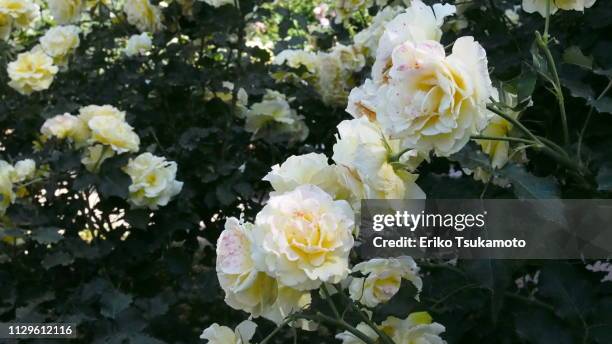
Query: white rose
[24, 170]
[66, 126]
[94, 156]
[432, 102]
[66, 11]
[391, 183]
[418, 24]
[296, 59]
[18, 13]
[243, 334]
[219, 3]
[143, 15]
[245, 287]
[383, 278]
[303, 238]
[416, 328]
[88, 112]
[540, 6]
[153, 180]
[138, 45]
[309, 168]
[113, 132]
[59, 42]
[31, 72]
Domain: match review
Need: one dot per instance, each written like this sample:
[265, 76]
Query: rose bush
[189, 171]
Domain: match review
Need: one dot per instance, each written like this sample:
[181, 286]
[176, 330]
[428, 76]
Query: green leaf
[495, 275]
[528, 186]
[573, 55]
[604, 179]
[115, 183]
[47, 235]
[540, 327]
[578, 89]
[570, 291]
[57, 258]
[603, 105]
[113, 302]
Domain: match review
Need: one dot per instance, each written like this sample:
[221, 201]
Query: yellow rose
[88, 112]
[243, 334]
[66, 126]
[59, 42]
[66, 11]
[245, 287]
[416, 328]
[115, 133]
[143, 15]
[433, 102]
[21, 13]
[303, 238]
[153, 180]
[383, 278]
[31, 72]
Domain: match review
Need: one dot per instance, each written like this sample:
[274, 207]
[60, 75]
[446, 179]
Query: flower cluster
[102, 132]
[10, 176]
[331, 73]
[17, 14]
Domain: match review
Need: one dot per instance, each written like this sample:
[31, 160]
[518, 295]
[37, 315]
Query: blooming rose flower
[296, 59]
[245, 287]
[303, 238]
[540, 6]
[418, 24]
[274, 110]
[432, 102]
[59, 42]
[31, 72]
[138, 45]
[66, 126]
[24, 170]
[143, 15]
[243, 334]
[115, 133]
[94, 157]
[65, 11]
[153, 180]
[309, 168]
[18, 13]
[416, 328]
[89, 112]
[361, 146]
[383, 279]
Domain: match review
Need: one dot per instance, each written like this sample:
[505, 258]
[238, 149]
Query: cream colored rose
[138, 45]
[66, 126]
[219, 3]
[18, 13]
[94, 156]
[416, 328]
[303, 238]
[274, 111]
[143, 15]
[309, 168]
[65, 11]
[89, 112]
[540, 6]
[497, 150]
[59, 42]
[296, 59]
[243, 334]
[153, 180]
[7, 196]
[432, 102]
[245, 287]
[115, 133]
[31, 72]
[24, 170]
[383, 278]
[417, 24]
